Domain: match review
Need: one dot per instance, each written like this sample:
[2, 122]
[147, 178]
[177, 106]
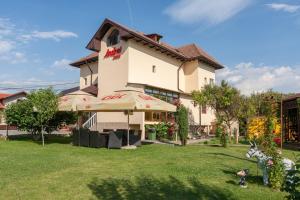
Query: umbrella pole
[128, 128]
[78, 128]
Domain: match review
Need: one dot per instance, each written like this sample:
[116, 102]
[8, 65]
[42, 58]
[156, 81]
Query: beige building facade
[124, 59]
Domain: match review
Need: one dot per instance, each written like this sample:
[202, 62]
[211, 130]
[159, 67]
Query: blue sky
[258, 41]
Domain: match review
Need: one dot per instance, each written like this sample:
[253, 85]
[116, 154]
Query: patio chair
[84, 137]
[135, 139]
[75, 134]
[94, 139]
[115, 140]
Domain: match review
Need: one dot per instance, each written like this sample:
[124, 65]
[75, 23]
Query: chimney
[154, 36]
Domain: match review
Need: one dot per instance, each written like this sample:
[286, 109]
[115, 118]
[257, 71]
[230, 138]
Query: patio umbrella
[70, 101]
[129, 101]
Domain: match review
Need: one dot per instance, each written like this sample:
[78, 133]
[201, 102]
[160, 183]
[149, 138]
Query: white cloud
[62, 64]
[6, 27]
[284, 7]
[5, 46]
[54, 35]
[250, 78]
[208, 11]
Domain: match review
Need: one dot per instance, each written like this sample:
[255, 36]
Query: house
[291, 117]
[123, 58]
[6, 99]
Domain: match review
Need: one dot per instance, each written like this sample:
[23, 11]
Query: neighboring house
[6, 99]
[291, 117]
[127, 59]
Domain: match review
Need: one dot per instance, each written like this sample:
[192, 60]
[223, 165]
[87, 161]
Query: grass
[62, 171]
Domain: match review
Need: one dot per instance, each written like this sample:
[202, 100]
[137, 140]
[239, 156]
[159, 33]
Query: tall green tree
[33, 113]
[224, 99]
[183, 124]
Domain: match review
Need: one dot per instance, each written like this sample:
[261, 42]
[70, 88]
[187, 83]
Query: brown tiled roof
[92, 89]
[193, 51]
[184, 53]
[93, 57]
[70, 90]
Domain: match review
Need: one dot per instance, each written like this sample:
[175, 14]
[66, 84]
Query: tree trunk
[230, 133]
[236, 137]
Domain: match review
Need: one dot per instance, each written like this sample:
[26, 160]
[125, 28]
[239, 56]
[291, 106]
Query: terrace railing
[91, 122]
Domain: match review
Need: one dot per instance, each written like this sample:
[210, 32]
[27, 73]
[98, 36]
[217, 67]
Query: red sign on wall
[115, 53]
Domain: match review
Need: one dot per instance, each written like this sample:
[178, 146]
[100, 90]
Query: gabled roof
[184, 53]
[4, 95]
[93, 57]
[193, 52]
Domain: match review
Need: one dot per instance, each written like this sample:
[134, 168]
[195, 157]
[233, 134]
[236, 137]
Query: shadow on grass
[153, 188]
[231, 156]
[49, 138]
[254, 179]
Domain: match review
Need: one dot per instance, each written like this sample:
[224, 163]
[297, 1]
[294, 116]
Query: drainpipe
[90, 71]
[178, 76]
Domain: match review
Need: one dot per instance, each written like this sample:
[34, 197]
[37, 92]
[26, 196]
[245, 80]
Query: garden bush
[182, 121]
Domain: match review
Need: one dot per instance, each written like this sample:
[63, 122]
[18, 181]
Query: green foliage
[34, 112]
[225, 100]
[183, 125]
[161, 130]
[61, 118]
[276, 173]
[292, 185]
[21, 114]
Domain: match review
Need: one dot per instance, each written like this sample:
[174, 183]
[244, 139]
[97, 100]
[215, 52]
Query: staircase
[91, 123]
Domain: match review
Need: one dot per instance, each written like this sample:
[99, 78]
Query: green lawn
[62, 171]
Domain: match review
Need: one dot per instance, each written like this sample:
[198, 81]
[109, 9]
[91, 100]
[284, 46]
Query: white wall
[86, 73]
[141, 60]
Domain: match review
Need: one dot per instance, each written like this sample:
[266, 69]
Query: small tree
[33, 113]
[224, 100]
[183, 124]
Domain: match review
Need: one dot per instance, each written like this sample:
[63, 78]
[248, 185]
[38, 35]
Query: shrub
[257, 127]
[182, 121]
[276, 173]
[292, 184]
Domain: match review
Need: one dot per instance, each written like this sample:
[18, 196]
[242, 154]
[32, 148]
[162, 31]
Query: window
[85, 81]
[153, 68]
[113, 38]
[211, 81]
[162, 94]
[204, 109]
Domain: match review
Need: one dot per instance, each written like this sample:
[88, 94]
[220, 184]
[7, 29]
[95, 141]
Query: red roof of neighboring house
[4, 95]
[184, 53]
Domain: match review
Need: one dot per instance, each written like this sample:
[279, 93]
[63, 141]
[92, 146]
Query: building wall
[187, 101]
[85, 73]
[113, 75]
[134, 69]
[191, 76]
[141, 61]
[205, 71]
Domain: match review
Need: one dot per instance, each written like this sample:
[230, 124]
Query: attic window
[113, 38]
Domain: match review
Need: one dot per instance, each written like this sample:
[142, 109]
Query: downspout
[178, 75]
